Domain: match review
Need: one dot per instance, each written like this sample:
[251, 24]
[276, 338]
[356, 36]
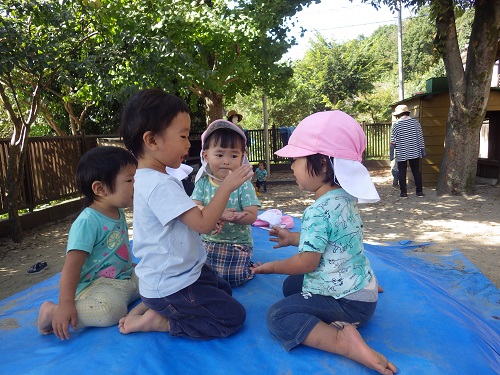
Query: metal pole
[266, 133]
[400, 54]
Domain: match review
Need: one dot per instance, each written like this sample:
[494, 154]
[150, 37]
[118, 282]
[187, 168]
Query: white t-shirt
[171, 254]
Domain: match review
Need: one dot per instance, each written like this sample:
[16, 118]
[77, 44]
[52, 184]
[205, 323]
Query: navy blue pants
[259, 183]
[415, 169]
[293, 318]
[204, 310]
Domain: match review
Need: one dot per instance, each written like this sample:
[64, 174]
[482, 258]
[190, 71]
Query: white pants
[104, 302]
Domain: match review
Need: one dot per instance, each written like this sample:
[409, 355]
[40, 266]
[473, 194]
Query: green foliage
[94, 54]
[359, 76]
[418, 35]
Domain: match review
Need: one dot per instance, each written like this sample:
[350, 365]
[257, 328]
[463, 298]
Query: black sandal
[39, 267]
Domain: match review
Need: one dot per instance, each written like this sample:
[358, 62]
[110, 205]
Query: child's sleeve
[248, 196]
[82, 235]
[198, 192]
[314, 232]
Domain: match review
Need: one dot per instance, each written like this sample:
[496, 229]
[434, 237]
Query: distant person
[98, 280]
[230, 247]
[180, 293]
[332, 289]
[236, 118]
[261, 177]
[394, 166]
[407, 138]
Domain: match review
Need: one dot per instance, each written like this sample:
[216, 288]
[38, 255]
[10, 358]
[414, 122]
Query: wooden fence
[49, 172]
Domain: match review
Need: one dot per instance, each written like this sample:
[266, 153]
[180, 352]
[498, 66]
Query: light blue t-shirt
[332, 226]
[106, 240]
[244, 196]
[171, 254]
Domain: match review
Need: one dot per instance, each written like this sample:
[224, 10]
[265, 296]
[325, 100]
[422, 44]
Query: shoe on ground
[420, 194]
[37, 268]
[403, 195]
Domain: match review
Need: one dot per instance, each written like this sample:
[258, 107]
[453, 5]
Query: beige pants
[104, 302]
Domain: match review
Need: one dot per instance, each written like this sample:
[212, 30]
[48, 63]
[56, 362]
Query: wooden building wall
[431, 110]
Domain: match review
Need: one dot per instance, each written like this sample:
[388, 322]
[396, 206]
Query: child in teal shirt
[332, 288]
[230, 247]
[261, 177]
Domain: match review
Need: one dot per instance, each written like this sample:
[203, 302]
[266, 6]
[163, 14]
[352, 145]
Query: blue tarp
[438, 315]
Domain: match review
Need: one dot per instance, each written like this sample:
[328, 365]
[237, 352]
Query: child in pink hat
[333, 289]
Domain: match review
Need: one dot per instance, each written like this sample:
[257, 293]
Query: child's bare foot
[45, 316]
[355, 348]
[148, 322]
[140, 309]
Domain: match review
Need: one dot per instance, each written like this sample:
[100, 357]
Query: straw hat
[400, 109]
[232, 113]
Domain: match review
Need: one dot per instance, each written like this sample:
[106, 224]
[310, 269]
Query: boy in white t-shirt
[180, 294]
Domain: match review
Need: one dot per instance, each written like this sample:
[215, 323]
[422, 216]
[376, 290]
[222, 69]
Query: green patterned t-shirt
[244, 196]
[332, 226]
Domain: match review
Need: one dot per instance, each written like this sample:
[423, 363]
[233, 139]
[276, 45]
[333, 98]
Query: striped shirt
[406, 136]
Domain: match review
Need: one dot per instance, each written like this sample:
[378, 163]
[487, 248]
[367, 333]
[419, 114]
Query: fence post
[28, 178]
[363, 126]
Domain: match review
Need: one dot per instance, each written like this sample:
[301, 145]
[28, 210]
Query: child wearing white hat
[230, 247]
[333, 289]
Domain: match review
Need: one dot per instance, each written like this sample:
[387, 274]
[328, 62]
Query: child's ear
[323, 165]
[149, 139]
[204, 154]
[98, 188]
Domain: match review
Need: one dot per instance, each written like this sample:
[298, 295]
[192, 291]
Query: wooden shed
[431, 110]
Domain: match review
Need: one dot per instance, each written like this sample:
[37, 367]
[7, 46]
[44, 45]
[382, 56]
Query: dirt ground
[470, 224]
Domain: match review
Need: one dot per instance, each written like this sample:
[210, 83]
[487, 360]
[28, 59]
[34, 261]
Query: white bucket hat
[218, 124]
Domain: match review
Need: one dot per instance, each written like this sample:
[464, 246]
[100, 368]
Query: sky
[341, 20]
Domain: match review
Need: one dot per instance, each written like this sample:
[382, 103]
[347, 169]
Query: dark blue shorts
[204, 310]
[292, 318]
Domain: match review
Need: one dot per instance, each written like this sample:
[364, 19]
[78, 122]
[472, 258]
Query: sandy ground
[469, 224]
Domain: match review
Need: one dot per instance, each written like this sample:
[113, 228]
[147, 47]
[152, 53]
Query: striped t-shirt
[406, 135]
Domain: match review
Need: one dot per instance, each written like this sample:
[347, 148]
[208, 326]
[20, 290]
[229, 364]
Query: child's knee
[111, 314]
[237, 318]
[100, 313]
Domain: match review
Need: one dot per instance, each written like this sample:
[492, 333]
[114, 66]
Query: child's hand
[238, 177]
[263, 268]
[218, 227]
[64, 316]
[281, 236]
[231, 215]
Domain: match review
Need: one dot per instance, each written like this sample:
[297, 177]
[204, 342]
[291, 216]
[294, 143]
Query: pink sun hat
[338, 135]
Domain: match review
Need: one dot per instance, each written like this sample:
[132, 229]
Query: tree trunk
[213, 106]
[50, 120]
[469, 91]
[17, 154]
[14, 186]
